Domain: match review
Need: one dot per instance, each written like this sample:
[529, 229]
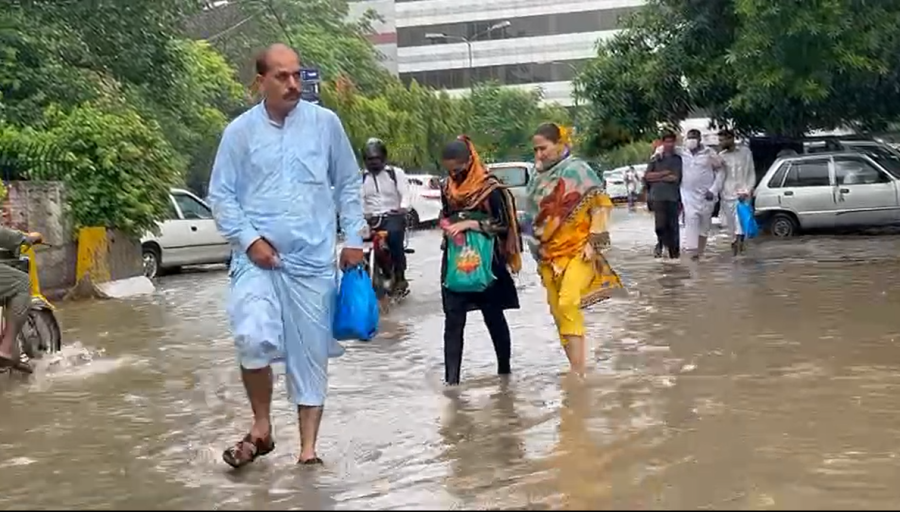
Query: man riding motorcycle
[15, 296]
[385, 200]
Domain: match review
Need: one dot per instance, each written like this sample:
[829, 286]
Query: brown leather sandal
[248, 450]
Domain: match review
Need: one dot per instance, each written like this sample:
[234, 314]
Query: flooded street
[768, 382]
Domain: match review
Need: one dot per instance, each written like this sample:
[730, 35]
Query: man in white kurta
[740, 178]
[283, 171]
[701, 182]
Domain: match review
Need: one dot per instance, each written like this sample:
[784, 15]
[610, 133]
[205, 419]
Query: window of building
[508, 74]
[526, 26]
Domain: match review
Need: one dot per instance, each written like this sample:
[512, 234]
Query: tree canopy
[107, 97]
[777, 67]
[122, 100]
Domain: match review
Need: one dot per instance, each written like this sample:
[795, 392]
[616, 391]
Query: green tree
[630, 88]
[556, 113]
[150, 101]
[317, 29]
[404, 118]
[634, 153]
[764, 65]
[414, 121]
[116, 165]
[42, 62]
[206, 97]
[503, 120]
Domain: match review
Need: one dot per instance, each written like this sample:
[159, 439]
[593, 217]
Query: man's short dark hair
[693, 132]
[262, 62]
[725, 132]
[668, 135]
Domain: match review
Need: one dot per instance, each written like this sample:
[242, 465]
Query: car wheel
[783, 225]
[151, 262]
[413, 219]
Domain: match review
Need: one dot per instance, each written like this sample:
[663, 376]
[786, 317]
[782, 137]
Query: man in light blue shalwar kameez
[282, 170]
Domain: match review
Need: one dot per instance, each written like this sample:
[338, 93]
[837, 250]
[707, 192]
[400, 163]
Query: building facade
[385, 36]
[450, 44]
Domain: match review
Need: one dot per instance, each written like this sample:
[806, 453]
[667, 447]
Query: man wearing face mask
[700, 185]
[740, 177]
[385, 201]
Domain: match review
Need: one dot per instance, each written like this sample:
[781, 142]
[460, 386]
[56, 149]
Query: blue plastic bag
[747, 219]
[356, 314]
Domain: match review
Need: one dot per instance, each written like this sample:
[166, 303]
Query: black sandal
[315, 461]
[16, 364]
[248, 450]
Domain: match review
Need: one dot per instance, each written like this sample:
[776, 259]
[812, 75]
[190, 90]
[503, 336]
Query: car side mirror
[514, 177]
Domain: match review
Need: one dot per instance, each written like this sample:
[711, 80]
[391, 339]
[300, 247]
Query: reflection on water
[766, 382]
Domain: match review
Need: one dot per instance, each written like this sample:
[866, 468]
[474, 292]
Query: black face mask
[459, 173]
[374, 164]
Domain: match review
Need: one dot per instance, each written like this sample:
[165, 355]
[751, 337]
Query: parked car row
[817, 183]
[188, 235]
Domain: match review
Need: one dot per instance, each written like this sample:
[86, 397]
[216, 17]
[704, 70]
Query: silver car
[515, 175]
[828, 190]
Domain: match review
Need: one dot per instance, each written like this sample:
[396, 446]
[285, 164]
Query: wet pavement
[767, 382]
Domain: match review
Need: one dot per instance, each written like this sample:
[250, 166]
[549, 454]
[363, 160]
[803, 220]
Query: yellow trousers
[564, 292]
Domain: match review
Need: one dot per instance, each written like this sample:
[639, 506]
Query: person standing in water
[663, 179]
[631, 181]
[472, 199]
[568, 212]
[701, 182]
[272, 199]
[740, 178]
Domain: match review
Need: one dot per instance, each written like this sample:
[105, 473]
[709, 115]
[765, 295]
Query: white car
[187, 237]
[515, 175]
[425, 198]
[614, 181]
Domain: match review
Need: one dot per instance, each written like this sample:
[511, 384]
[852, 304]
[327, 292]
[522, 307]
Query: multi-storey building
[450, 44]
[385, 36]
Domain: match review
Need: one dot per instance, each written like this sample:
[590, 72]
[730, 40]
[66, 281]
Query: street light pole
[468, 41]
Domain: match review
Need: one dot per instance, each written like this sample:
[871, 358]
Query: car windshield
[887, 157]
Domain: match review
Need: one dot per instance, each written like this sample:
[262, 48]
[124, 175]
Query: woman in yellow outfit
[568, 212]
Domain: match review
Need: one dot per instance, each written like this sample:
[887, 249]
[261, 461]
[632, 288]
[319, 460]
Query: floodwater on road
[766, 382]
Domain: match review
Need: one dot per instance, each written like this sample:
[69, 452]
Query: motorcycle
[41, 333]
[379, 263]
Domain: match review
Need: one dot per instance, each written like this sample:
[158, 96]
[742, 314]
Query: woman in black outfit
[471, 192]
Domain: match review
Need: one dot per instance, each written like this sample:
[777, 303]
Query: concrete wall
[41, 206]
